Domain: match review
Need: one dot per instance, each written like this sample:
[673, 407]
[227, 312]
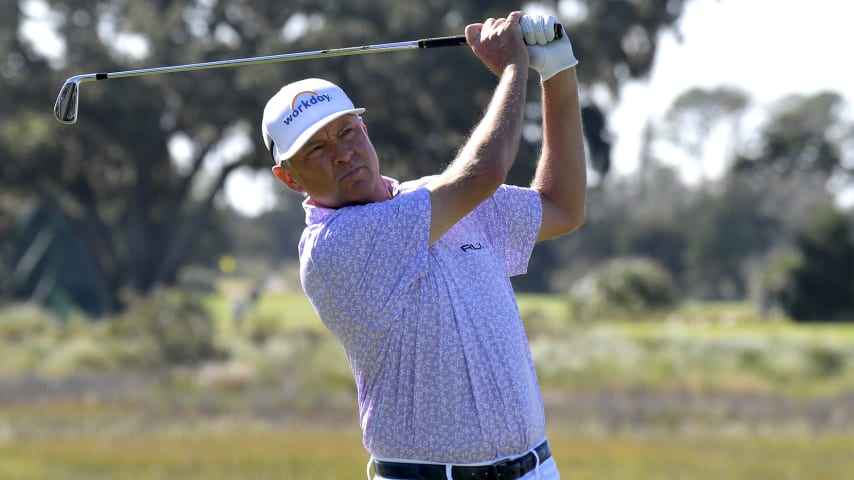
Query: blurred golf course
[706, 391]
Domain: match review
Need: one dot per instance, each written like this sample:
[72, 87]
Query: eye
[314, 150]
[347, 132]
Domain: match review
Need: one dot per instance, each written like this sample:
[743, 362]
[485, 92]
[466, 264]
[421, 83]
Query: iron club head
[65, 108]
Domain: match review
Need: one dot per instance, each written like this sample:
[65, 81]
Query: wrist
[516, 66]
[562, 78]
[518, 62]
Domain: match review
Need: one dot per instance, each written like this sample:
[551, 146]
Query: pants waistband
[502, 470]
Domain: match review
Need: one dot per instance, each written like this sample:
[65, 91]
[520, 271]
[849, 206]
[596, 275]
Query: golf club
[66, 107]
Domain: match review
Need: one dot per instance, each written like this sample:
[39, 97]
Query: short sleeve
[512, 218]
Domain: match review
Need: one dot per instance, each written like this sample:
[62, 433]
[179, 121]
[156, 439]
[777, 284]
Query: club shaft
[65, 108]
[335, 52]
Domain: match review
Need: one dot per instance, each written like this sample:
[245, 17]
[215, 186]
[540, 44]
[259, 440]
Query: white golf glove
[549, 55]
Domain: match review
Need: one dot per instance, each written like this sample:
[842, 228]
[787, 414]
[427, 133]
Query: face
[337, 167]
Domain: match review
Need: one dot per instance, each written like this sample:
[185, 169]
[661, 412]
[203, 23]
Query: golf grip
[459, 40]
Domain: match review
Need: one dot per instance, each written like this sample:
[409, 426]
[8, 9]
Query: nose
[343, 152]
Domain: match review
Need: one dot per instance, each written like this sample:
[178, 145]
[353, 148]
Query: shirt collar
[315, 214]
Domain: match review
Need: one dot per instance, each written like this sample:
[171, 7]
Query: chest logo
[471, 246]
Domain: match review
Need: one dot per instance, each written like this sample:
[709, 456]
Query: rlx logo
[470, 246]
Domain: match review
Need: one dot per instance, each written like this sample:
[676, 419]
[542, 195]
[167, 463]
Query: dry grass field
[704, 392]
[337, 454]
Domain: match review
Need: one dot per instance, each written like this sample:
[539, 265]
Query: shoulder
[357, 229]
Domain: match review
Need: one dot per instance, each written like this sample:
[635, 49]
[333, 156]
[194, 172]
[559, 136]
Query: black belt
[505, 470]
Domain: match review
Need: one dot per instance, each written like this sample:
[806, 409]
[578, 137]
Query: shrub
[18, 322]
[261, 327]
[198, 279]
[624, 286]
[172, 325]
[817, 282]
[81, 354]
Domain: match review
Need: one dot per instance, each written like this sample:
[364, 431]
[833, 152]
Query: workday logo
[298, 106]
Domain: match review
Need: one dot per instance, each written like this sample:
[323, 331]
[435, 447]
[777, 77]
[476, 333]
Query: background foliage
[130, 197]
[116, 194]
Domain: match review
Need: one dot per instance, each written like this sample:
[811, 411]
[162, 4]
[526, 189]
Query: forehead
[333, 126]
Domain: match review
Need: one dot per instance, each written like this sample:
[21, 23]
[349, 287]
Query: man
[413, 278]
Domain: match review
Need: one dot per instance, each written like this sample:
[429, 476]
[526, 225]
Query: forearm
[561, 176]
[482, 164]
[494, 143]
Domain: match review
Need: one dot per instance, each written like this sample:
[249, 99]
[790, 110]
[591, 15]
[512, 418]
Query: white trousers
[546, 471]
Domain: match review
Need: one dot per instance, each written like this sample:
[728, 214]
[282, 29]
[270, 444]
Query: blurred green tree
[819, 284]
[803, 134]
[724, 232]
[691, 119]
[138, 178]
[645, 217]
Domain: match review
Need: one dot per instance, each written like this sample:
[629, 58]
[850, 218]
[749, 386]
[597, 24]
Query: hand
[498, 42]
[548, 54]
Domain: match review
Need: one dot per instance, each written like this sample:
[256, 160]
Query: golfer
[413, 277]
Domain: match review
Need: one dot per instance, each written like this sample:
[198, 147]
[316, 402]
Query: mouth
[352, 173]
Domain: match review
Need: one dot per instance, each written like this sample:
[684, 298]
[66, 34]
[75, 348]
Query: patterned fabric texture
[432, 332]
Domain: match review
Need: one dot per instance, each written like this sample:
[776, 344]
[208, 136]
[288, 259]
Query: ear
[287, 177]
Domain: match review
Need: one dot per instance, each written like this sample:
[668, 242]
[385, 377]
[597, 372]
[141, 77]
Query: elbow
[482, 180]
[493, 177]
[559, 221]
[572, 221]
[576, 220]
[483, 168]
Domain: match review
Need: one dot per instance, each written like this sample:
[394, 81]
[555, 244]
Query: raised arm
[561, 176]
[482, 164]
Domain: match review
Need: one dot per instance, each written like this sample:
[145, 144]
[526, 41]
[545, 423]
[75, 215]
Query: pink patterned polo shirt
[432, 332]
